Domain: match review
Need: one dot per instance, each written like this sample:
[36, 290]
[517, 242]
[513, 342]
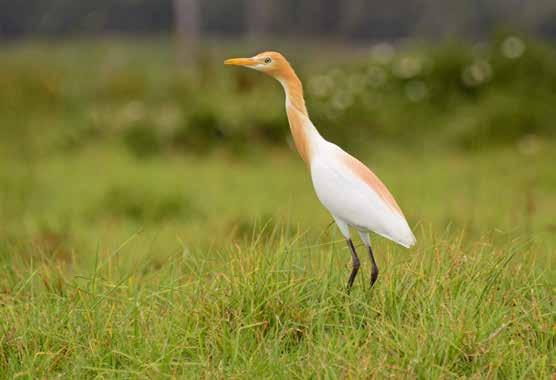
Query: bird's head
[269, 62]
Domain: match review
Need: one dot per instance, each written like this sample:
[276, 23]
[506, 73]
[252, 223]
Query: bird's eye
[267, 60]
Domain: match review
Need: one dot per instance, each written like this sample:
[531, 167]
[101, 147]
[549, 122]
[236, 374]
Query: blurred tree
[309, 14]
[352, 14]
[258, 18]
[187, 16]
[444, 19]
[536, 13]
[378, 19]
[332, 11]
[365, 19]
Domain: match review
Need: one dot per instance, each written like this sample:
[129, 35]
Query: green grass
[214, 267]
[137, 242]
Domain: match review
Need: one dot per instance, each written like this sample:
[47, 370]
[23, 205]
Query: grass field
[224, 266]
[211, 267]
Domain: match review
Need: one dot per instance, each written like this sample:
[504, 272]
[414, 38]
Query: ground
[218, 267]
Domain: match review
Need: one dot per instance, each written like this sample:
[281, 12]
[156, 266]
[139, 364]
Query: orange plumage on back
[366, 175]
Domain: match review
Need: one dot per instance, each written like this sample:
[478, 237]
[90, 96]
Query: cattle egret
[349, 190]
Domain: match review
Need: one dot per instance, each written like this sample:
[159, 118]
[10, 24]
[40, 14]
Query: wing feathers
[355, 195]
[367, 176]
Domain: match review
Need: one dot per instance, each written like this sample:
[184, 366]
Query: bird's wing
[354, 194]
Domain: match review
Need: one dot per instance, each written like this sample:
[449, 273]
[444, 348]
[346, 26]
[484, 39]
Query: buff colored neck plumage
[302, 130]
[294, 90]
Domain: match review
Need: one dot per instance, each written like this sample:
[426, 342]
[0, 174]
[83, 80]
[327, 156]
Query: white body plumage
[349, 190]
[350, 199]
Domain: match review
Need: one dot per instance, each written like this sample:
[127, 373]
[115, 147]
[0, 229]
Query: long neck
[303, 132]
[294, 91]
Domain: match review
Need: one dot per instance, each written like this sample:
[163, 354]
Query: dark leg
[374, 273]
[355, 264]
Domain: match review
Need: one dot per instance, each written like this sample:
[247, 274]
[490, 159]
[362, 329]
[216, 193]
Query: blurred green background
[133, 162]
[121, 132]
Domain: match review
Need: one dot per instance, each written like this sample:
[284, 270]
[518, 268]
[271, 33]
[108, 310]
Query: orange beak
[240, 62]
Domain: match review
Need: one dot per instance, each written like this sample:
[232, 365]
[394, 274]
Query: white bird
[349, 190]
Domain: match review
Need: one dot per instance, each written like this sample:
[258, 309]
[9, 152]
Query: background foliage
[460, 95]
[156, 222]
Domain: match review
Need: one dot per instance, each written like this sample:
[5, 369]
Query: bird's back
[355, 195]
